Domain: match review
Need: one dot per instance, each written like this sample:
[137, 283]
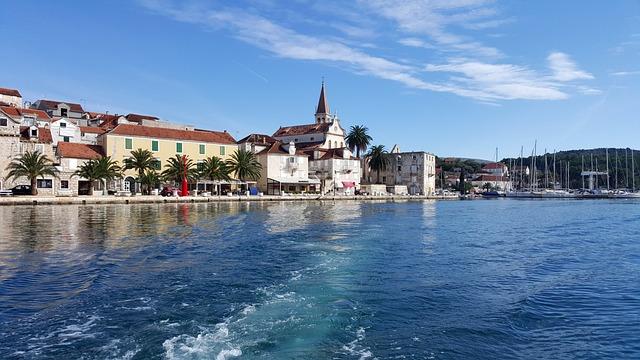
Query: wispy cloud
[626, 73]
[482, 80]
[435, 18]
[564, 69]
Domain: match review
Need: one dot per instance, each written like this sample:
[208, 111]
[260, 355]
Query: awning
[295, 181]
[349, 184]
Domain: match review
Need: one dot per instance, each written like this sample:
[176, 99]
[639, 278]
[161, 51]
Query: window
[44, 183]
[157, 164]
[128, 144]
[292, 160]
[64, 184]
[65, 139]
[63, 124]
[384, 179]
[222, 150]
[178, 147]
[154, 145]
[311, 139]
[34, 132]
[200, 165]
[399, 168]
[63, 112]
[295, 140]
[3, 122]
[202, 149]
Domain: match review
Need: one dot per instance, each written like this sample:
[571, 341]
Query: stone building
[414, 169]
[70, 156]
[59, 108]
[10, 97]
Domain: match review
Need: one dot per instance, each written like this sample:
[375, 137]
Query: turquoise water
[374, 280]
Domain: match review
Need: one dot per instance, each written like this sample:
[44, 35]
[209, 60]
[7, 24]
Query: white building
[10, 97]
[324, 142]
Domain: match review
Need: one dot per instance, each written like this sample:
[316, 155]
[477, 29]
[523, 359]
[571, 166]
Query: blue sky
[453, 77]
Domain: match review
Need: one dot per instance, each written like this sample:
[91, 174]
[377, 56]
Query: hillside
[620, 165]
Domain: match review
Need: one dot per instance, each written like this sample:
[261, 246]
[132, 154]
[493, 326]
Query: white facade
[63, 130]
[10, 99]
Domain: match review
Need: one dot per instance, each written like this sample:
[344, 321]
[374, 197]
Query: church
[324, 143]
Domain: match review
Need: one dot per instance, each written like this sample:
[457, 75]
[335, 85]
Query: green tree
[102, 169]
[378, 159]
[487, 186]
[358, 139]
[140, 160]
[31, 164]
[244, 165]
[174, 170]
[215, 169]
[149, 180]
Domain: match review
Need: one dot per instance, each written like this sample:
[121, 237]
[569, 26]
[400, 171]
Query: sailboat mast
[554, 169]
[633, 173]
[521, 167]
[546, 171]
[616, 180]
[626, 168]
[607, 154]
[581, 174]
[568, 175]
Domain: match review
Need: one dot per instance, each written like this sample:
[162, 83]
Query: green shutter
[202, 149]
[154, 145]
[221, 150]
[178, 147]
[128, 144]
[157, 165]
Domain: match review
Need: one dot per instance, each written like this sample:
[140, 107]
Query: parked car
[168, 191]
[21, 190]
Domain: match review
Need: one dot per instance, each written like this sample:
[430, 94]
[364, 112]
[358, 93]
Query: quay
[151, 199]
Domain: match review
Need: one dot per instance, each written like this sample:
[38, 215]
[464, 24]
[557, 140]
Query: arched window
[329, 144]
[335, 144]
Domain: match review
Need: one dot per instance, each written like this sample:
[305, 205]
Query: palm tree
[140, 160]
[31, 164]
[378, 159]
[108, 170]
[358, 139]
[103, 169]
[150, 179]
[174, 170]
[215, 169]
[245, 165]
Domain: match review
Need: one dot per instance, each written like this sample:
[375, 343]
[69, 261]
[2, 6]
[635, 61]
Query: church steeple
[322, 111]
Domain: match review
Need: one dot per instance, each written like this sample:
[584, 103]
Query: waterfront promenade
[151, 199]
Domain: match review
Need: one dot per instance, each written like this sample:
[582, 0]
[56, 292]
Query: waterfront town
[89, 153]
[60, 149]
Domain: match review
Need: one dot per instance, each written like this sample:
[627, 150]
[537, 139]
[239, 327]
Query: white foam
[226, 354]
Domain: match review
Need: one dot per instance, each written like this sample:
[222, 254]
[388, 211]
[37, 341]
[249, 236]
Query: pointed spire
[323, 106]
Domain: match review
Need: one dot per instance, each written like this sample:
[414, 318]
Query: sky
[451, 77]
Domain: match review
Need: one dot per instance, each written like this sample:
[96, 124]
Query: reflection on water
[317, 280]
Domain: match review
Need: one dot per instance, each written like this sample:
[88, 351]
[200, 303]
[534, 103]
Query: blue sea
[492, 279]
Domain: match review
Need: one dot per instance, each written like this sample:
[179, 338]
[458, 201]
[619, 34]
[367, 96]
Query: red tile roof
[19, 112]
[138, 118]
[326, 154]
[52, 104]
[44, 135]
[79, 151]
[278, 148]
[302, 129]
[494, 166]
[164, 133]
[10, 92]
[257, 139]
[92, 130]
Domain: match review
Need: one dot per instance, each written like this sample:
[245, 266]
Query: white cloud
[434, 18]
[480, 80]
[626, 73]
[415, 42]
[500, 81]
[564, 69]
